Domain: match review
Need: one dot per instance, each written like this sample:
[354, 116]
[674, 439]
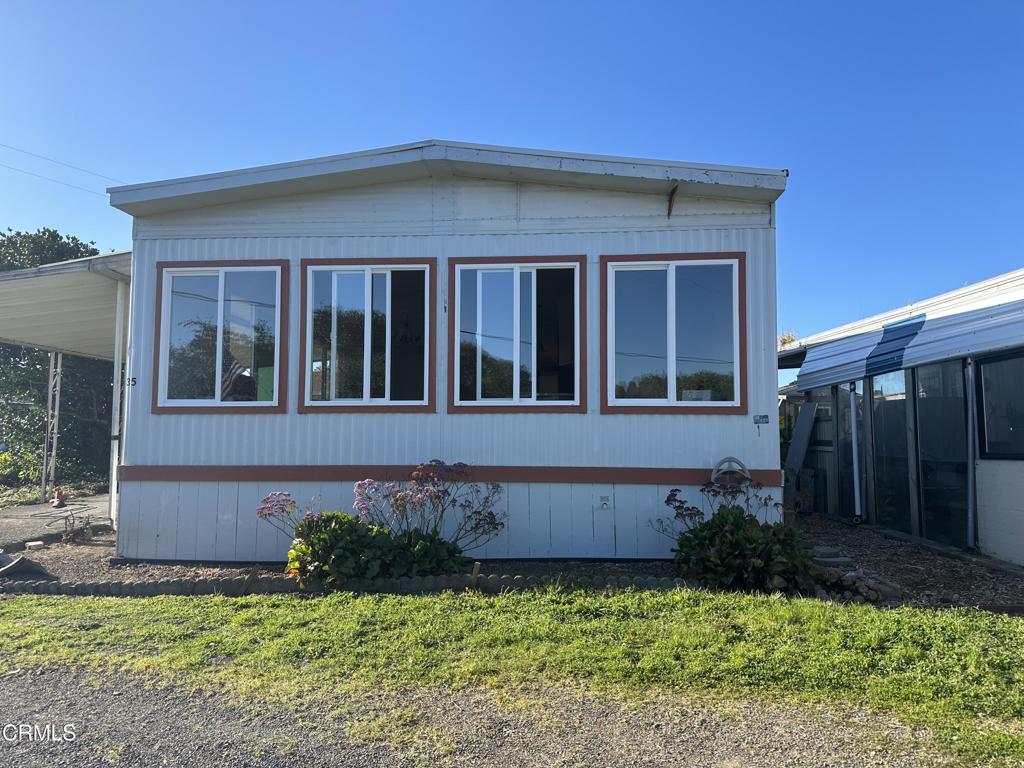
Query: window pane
[641, 333]
[378, 333]
[556, 334]
[705, 332]
[192, 353]
[350, 319]
[320, 352]
[408, 334]
[526, 334]
[1003, 406]
[496, 334]
[942, 444]
[892, 459]
[467, 334]
[250, 327]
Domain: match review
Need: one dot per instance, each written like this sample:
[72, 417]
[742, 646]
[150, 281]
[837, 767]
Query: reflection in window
[695, 347]
[192, 354]
[380, 360]
[238, 309]
[641, 335]
[892, 450]
[705, 362]
[541, 346]
[1002, 407]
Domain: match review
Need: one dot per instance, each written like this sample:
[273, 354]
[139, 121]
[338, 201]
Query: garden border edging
[281, 584]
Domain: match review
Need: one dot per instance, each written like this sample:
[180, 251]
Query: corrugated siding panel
[526, 439]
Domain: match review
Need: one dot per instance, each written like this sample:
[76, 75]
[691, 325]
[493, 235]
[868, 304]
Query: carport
[77, 307]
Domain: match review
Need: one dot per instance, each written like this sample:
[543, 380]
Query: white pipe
[856, 458]
[46, 431]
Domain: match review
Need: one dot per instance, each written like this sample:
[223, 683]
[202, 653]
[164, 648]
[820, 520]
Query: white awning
[64, 307]
[912, 342]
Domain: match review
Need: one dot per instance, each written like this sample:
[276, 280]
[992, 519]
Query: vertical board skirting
[227, 512]
[217, 521]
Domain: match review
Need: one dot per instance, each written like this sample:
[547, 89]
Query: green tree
[84, 442]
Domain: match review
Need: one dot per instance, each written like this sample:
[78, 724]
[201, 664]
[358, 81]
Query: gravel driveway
[123, 722]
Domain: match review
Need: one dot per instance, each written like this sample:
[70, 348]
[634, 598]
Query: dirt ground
[927, 576]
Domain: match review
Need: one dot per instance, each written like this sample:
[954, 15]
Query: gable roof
[447, 159]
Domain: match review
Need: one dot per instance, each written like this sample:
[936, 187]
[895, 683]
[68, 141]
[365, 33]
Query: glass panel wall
[820, 450]
[892, 456]
[942, 443]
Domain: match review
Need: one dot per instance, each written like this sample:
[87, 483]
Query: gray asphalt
[122, 723]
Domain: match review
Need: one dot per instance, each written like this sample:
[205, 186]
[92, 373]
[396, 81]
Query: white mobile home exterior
[584, 476]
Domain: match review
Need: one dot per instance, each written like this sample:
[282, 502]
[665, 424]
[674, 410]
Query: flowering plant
[280, 510]
[438, 499]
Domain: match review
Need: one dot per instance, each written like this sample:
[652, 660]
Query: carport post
[115, 408]
[56, 373]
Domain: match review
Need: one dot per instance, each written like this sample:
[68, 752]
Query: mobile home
[589, 331]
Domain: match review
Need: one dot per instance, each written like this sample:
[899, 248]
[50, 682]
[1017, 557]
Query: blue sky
[902, 123]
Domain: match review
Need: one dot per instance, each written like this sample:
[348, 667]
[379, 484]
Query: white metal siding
[452, 218]
[1001, 509]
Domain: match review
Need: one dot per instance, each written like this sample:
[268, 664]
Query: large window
[673, 333]
[517, 335]
[219, 336]
[1001, 398]
[368, 335]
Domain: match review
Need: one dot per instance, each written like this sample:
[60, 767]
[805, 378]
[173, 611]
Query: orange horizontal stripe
[500, 474]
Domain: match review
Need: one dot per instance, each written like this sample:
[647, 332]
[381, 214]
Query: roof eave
[438, 159]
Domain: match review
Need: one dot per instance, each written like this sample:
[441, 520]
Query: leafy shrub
[331, 547]
[733, 549]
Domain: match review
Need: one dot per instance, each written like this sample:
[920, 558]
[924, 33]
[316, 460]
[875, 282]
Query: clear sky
[902, 123]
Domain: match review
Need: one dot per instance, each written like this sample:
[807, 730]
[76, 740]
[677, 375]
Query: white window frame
[367, 270]
[670, 265]
[168, 275]
[517, 269]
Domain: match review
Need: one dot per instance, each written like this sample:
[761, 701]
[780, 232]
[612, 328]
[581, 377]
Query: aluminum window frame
[979, 385]
[517, 268]
[669, 263]
[166, 272]
[367, 269]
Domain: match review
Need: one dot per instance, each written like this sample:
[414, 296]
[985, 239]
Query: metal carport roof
[913, 342]
[68, 306]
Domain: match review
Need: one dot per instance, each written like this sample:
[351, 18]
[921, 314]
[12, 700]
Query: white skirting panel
[217, 521]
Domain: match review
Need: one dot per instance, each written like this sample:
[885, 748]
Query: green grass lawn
[958, 672]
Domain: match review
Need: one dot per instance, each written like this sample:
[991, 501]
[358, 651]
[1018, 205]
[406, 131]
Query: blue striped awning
[916, 341]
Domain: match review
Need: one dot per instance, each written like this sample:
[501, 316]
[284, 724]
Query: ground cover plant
[959, 673]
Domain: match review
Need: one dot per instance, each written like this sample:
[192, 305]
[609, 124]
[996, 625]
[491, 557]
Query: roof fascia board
[119, 263]
[444, 158]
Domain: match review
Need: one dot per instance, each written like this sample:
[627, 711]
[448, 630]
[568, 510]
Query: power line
[61, 162]
[50, 178]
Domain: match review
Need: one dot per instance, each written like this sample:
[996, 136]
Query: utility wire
[50, 178]
[61, 162]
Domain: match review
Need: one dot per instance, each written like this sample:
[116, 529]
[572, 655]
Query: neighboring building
[582, 285]
[938, 436]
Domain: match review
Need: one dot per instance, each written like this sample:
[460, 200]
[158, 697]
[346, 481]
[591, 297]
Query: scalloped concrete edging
[277, 584]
